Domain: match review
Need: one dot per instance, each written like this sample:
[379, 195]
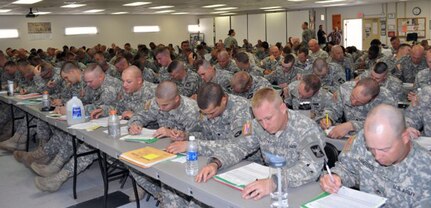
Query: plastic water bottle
[10, 88]
[45, 100]
[348, 74]
[279, 195]
[192, 165]
[114, 124]
[75, 111]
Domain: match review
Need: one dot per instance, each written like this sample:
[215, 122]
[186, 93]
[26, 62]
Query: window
[9, 33]
[144, 29]
[80, 30]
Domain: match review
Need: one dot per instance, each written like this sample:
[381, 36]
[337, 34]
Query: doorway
[352, 33]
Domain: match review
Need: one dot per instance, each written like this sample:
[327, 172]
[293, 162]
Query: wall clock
[416, 11]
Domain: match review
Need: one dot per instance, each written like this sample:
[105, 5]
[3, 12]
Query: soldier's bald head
[418, 49]
[385, 119]
[133, 71]
[167, 90]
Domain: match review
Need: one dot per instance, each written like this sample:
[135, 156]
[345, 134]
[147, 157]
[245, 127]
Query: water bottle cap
[275, 161]
[192, 138]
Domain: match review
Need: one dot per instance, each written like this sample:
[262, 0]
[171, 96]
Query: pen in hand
[329, 172]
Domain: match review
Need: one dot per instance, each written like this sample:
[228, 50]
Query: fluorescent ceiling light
[214, 5]
[344, 4]
[5, 10]
[94, 11]
[164, 11]
[177, 13]
[26, 1]
[145, 29]
[296, 0]
[161, 7]
[218, 12]
[193, 28]
[139, 3]
[42, 13]
[73, 5]
[226, 8]
[120, 13]
[80, 30]
[273, 10]
[9, 33]
[328, 1]
[272, 7]
[228, 14]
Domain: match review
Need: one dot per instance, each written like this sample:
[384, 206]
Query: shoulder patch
[317, 151]
[147, 105]
[201, 116]
[348, 146]
[246, 129]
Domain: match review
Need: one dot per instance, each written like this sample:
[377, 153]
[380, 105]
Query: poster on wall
[411, 25]
[196, 38]
[39, 31]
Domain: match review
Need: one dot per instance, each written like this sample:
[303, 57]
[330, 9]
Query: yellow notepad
[146, 157]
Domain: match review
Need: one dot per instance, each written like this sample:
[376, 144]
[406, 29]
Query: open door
[352, 33]
[370, 31]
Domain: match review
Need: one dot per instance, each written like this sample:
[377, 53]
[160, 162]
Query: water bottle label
[76, 112]
[192, 156]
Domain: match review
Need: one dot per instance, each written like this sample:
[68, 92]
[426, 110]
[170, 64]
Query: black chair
[332, 154]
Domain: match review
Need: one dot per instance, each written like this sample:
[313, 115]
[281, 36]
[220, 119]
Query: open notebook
[346, 197]
[238, 178]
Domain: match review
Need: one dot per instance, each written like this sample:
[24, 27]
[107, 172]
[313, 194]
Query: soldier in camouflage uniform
[353, 101]
[285, 73]
[308, 91]
[331, 75]
[315, 50]
[380, 73]
[122, 63]
[287, 134]
[304, 61]
[383, 161]
[245, 85]
[209, 74]
[108, 68]
[188, 82]
[163, 57]
[368, 60]
[243, 62]
[307, 35]
[101, 89]
[423, 78]
[134, 92]
[337, 56]
[409, 66]
[418, 116]
[271, 62]
[175, 115]
[225, 62]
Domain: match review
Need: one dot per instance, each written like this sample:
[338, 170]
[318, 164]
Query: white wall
[239, 24]
[207, 28]
[112, 29]
[222, 27]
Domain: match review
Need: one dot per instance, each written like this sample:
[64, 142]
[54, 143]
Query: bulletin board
[411, 25]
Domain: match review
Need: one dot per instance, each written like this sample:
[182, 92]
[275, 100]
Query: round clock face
[416, 11]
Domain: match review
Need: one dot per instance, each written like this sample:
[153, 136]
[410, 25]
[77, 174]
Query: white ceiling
[192, 7]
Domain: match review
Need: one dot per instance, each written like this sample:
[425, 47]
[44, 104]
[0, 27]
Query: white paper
[328, 130]
[347, 197]
[424, 142]
[246, 174]
[375, 28]
[181, 159]
[95, 123]
[145, 134]
[3, 92]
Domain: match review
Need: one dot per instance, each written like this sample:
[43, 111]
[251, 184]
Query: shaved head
[134, 71]
[167, 90]
[385, 118]
[417, 54]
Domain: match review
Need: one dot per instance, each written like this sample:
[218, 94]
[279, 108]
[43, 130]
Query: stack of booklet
[146, 157]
